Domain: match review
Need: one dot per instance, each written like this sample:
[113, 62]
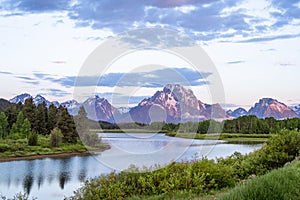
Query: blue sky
[253, 44]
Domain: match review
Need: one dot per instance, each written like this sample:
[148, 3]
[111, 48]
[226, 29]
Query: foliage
[88, 138]
[278, 184]
[30, 112]
[51, 118]
[67, 126]
[193, 177]
[196, 177]
[3, 126]
[279, 149]
[41, 119]
[32, 139]
[26, 128]
[18, 196]
[56, 137]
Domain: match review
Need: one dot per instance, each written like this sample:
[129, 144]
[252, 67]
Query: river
[55, 178]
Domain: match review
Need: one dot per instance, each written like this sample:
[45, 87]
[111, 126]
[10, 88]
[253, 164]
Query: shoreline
[53, 155]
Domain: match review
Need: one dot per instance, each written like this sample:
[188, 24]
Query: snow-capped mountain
[72, 106]
[237, 112]
[268, 107]
[20, 98]
[38, 99]
[296, 109]
[123, 110]
[173, 104]
[100, 109]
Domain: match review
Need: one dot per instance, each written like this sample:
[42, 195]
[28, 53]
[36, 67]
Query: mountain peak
[20, 98]
[237, 112]
[268, 107]
[176, 103]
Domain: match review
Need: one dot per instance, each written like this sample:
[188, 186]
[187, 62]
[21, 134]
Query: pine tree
[3, 125]
[51, 117]
[82, 127]
[12, 112]
[41, 119]
[16, 129]
[81, 122]
[17, 126]
[30, 112]
[66, 124]
[26, 128]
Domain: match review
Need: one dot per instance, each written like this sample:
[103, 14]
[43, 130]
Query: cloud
[36, 6]
[4, 72]
[55, 92]
[152, 79]
[202, 20]
[285, 64]
[236, 62]
[26, 78]
[117, 98]
[270, 38]
[58, 61]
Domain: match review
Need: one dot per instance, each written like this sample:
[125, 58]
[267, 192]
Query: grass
[237, 137]
[280, 184]
[10, 148]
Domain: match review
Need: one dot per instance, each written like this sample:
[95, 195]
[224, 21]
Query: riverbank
[230, 137]
[200, 178]
[12, 150]
[54, 155]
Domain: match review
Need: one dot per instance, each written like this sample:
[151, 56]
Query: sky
[254, 46]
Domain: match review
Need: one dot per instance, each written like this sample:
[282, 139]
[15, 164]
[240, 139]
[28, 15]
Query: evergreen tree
[67, 126]
[56, 137]
[30, 112]
[16, 129]
[82, 127]
[26, 128]
[81, 122]
[41, 119]
[12, 112]
[3, 125]
[51, 117]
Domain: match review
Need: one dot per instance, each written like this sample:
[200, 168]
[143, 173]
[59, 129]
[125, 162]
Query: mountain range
[173, 104]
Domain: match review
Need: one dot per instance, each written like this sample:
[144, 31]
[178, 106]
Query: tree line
[27, 120]
[245, 125]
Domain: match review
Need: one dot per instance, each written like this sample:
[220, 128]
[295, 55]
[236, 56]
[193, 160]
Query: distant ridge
[173, 104]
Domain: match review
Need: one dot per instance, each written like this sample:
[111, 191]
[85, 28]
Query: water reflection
[54, 178]
[28, 183]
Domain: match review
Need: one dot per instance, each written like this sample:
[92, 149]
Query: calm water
[54, 178]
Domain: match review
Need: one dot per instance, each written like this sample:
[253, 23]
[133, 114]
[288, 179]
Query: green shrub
[56, 137]
[4, 147]
[33, 139]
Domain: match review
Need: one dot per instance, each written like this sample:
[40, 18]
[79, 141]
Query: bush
[33, 139]
[91, 139]
[194, 177]
[197, 176]
[4, 147]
